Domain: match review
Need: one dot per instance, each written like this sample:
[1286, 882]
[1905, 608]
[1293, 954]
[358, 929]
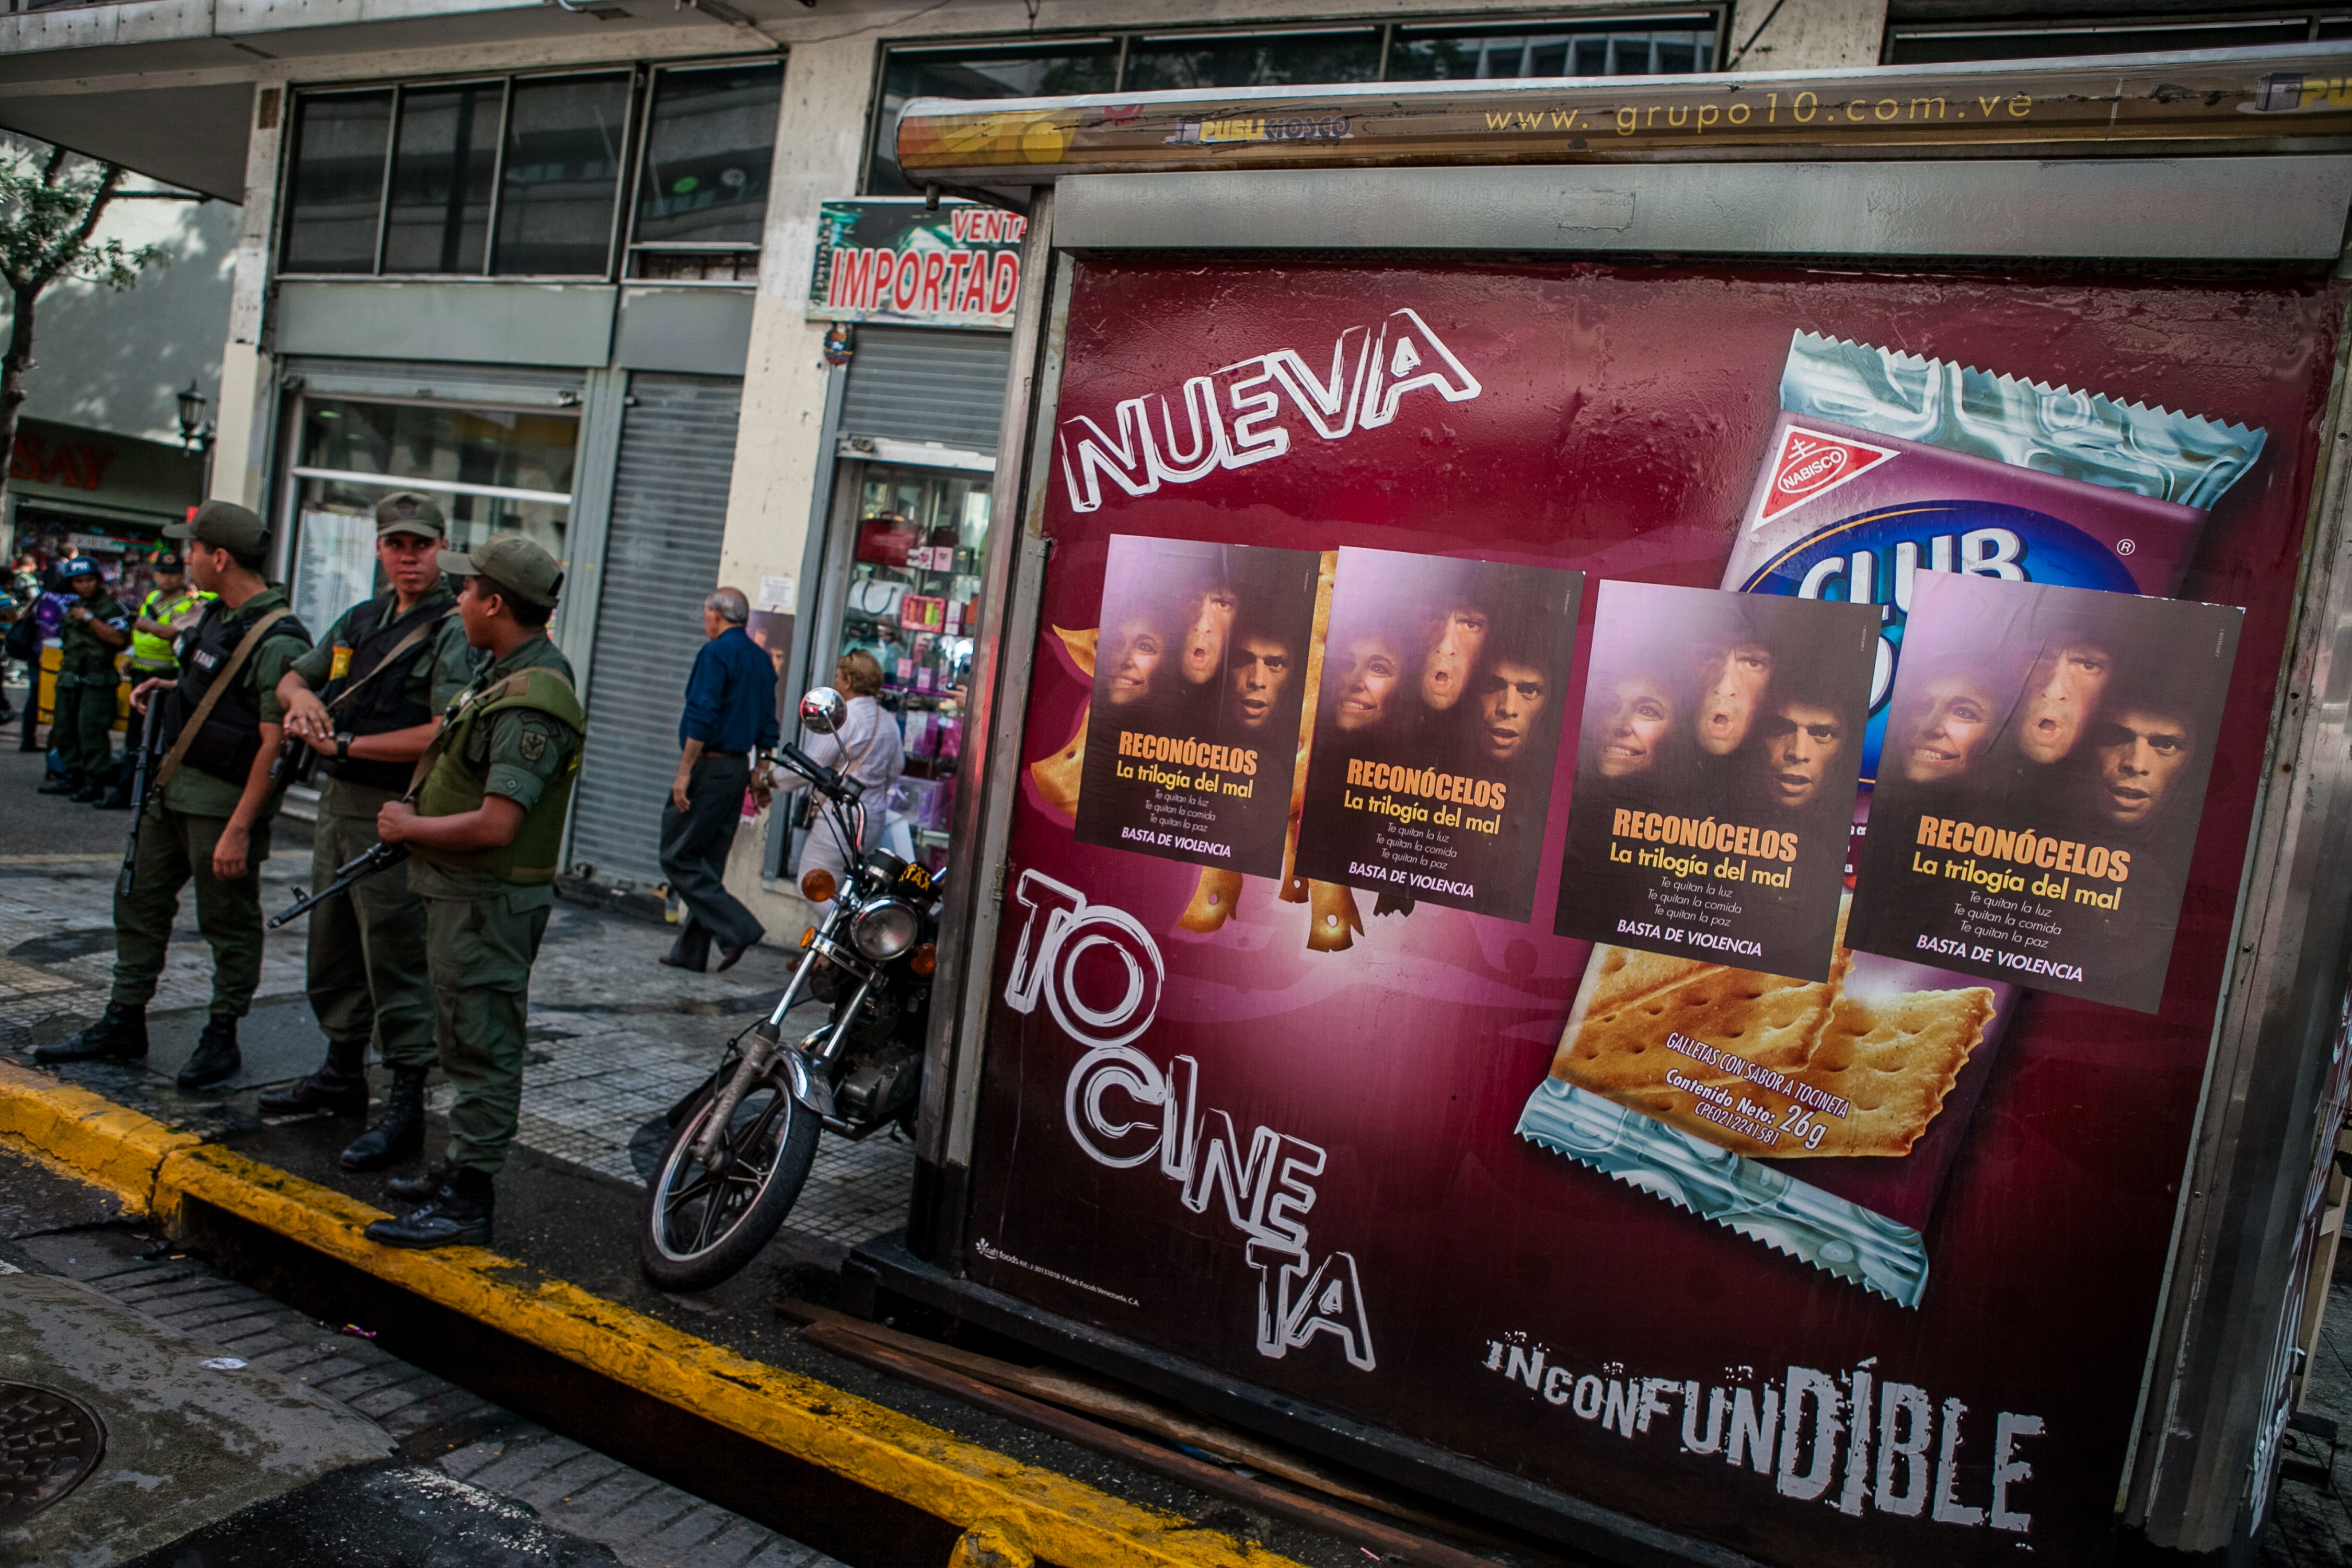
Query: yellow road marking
[1008, 1507]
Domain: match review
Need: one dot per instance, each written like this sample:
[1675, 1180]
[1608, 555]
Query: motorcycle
[742, 1143]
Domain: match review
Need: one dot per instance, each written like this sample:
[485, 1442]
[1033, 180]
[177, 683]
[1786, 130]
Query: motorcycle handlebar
[827, 782]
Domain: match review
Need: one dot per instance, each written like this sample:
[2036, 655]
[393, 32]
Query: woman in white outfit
[868, 748]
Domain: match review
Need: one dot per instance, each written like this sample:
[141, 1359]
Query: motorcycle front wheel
[702, 1224]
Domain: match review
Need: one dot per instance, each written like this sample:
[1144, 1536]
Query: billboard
[1856, 1263]
[892, 258]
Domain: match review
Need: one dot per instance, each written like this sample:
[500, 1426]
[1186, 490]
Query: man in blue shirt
[730, 722]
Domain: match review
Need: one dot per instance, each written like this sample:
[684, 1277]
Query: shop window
[336, 195]
[1666, 46]
[1290, 59]
[566, 139]
[438, 219]
[1938, 43]
[703, 195]
[1141, 62]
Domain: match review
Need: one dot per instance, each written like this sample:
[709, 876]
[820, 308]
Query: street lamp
[195, 430]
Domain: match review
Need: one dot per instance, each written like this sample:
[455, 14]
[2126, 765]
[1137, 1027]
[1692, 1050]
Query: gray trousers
[694, 846]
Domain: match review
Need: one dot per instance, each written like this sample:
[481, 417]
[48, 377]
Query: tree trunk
[14, 365]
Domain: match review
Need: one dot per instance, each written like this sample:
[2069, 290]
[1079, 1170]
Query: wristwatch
[343, 747]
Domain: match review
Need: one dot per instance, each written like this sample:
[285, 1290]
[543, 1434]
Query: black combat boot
[456, 1215]
[119, 1035]
[425, 1184]
[63, 784]
[340, 1087]
[93, 790]
[399, 1131]
[217, 1059]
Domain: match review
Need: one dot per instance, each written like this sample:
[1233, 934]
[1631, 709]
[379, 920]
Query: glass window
[441, 174]
[709, 144]
[565, 140]
[1939, 45]
[1088, 64]
[512, 450]
[1667, 46]
[337, 187]
[914, 584]
[1246, 60]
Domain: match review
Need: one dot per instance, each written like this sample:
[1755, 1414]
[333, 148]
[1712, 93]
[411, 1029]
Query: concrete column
[779, 448]
[1807, 35]
[248, 392]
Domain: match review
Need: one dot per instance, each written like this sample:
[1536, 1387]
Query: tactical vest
[231, 737]
[457, 784]
[383, 704]
[148, 651]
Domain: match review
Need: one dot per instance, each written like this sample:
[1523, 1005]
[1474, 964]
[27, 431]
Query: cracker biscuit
[1332, 917]
[1214, 892]
[1893, 1061]
[1619, 975]
[1768, 1019]
[1059, 775]
[1081, 647]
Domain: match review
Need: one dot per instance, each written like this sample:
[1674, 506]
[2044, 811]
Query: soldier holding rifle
[367, 701]
[485, 833]
[207, 817]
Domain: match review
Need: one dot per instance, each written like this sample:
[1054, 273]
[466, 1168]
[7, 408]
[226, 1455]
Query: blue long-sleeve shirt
[730, 697]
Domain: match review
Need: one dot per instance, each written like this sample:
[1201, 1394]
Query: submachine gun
[359, 869]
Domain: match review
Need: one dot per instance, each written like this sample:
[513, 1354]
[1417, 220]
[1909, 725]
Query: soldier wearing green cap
[170, 608]
[95, 630]
[211, 801]
[484, 832]
[367, 701]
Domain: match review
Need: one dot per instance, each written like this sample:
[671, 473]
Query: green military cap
[224, 525]
[513, 563]
[405, 511]
[166, 561]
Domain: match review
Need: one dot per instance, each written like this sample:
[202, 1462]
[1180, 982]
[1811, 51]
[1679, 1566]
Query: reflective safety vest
[150, 652]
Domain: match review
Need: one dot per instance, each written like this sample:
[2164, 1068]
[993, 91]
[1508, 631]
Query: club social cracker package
[1820, 1117]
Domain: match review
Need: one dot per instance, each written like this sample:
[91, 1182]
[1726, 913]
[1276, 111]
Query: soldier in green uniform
[210, 803]
[484, 832]
[170, 608]
[96, 629]
[367, 700]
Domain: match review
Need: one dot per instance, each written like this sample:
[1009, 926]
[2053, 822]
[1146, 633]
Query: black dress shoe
[399, 1131]
[325, 1090]
[119, 1035]
[217, 1059]
[692, 965]
[425, 1184]
[456, 1215]
[729, 956]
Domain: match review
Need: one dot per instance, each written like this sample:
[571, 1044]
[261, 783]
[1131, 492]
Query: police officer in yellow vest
[170, 608]
[485, 833]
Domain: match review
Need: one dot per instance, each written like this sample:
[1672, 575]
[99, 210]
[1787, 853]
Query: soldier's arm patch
[533, 745]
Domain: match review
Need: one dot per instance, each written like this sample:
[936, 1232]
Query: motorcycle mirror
[823, 711]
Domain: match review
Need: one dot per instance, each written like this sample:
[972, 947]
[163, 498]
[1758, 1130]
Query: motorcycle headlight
[885, 929]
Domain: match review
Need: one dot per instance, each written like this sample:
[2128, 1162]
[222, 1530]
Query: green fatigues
[486, 912]
[366, 961]
[86, 682]
[175, 847]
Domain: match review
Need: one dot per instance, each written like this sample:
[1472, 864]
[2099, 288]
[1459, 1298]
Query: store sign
[1463, 1101]
[886, 259]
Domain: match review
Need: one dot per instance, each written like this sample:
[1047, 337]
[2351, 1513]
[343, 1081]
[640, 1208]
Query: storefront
[1485, 553]
[922, 305]
[73, 491]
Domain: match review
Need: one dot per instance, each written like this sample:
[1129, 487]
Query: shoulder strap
[416, 634]
[515, 684]
[245, 645]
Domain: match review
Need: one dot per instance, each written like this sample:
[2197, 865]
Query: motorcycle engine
[879, 1080]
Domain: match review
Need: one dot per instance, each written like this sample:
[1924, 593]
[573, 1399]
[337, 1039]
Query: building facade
[645, 282]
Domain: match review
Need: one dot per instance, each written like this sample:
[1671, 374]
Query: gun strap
[245, 645]
[415, 635]
[513, 684]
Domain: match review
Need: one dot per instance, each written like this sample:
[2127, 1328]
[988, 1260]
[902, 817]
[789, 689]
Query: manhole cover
[47, 1444]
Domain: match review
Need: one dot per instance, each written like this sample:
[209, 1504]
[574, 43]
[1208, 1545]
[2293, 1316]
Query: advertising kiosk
[1663, 780]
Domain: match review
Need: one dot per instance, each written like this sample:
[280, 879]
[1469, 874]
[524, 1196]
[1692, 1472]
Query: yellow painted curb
[1049, 1515]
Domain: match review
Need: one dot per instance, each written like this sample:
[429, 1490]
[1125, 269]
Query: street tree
[51, 204]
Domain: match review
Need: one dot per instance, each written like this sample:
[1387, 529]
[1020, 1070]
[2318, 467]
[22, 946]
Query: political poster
[1436, 729]
[1714, 777]
[2043, 775]
[1200, 674]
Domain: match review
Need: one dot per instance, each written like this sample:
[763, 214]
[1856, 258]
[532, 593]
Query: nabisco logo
[1234, 416]
[1810, 464]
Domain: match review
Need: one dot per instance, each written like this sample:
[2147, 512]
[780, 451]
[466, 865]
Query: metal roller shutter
[669, 513]
[911, 383]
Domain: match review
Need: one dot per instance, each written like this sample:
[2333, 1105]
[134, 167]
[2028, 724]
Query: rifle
[141, 777]
[359, 869]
